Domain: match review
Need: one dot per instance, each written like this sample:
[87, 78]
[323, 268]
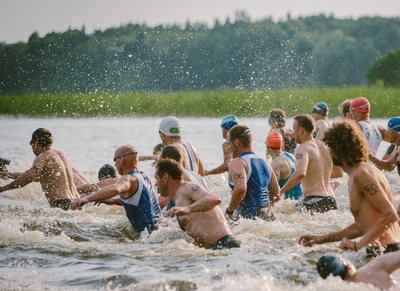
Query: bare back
[370, 198]
[53, 177]
[206, 227]
[314, 160]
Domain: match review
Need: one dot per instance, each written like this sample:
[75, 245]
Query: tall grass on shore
[385, 103]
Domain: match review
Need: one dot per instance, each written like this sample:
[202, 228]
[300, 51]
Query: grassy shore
[197, 104]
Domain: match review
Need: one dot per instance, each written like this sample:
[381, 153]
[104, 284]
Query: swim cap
[274, 139]
[360, 104]
[331, 264]
[107, 171]
[394, 123]
[320, 108]
[170, 126]
[229, 121]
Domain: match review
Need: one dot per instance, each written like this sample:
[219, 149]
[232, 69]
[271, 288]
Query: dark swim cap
[394, 123]
[107, 171]
[320, 108]
[331, 264]
[229, 121]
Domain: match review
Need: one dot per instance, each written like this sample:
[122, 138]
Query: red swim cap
[274, 139]
[360, 104]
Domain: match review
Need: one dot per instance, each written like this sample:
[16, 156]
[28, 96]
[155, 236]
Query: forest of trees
[295, 53]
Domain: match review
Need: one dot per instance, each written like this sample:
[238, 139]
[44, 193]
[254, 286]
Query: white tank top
[190, 157]
[372, 135]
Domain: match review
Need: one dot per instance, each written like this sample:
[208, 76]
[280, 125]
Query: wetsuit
[372, 135]
[389, 151]
[256, 200]
[296, 192]
[142, 208]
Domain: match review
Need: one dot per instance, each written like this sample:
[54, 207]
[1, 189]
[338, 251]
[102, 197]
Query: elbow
[217, 200]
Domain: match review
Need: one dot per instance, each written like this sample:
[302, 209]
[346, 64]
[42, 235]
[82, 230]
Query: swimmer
[51, 168]
[170, 134]
[320, 114]
[283, 164]
[135, 189]
[107, 171]
[196, 208]
[226, 124]
[277, 121]
[377, 272]
[313, 168]
[253, 182]
[370, 195]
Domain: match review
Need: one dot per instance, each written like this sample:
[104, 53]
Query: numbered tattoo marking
[372, 189]
[195, 188]
[299, 156]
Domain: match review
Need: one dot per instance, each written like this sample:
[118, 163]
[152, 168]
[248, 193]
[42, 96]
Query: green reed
[216, 103]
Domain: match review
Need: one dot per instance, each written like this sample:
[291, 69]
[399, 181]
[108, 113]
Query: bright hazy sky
[20, 18]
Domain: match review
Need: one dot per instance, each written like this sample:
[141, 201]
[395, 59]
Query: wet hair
[107, 171]
[344, 107]
[42, 136]
[332, 264]
[171, 167]
[241, 132]
[347, 143]
[172, 152]
[279, 115]
[305, 121]
[157, 148]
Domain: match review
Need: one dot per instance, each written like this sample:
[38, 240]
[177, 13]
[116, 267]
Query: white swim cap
[170, 126]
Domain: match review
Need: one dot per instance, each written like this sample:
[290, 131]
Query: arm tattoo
[299, 156]
[238, 176]
[195, 188]
[372, 189]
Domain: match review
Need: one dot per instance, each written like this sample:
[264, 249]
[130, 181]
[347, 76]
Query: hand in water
[347, 245]
[308, 240]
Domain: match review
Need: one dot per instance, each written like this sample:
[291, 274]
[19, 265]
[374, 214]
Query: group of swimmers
[305, 162]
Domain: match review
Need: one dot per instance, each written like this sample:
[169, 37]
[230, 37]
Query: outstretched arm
[23, 179]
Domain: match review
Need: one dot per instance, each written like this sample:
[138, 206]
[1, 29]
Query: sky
[20, 18]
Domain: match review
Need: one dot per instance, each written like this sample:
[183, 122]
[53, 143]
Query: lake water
[49, 249]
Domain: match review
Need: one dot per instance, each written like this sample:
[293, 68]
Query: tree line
[306, 52]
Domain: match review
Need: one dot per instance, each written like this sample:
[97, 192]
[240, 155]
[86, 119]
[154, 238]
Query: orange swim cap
[274, 139]
[360, 104]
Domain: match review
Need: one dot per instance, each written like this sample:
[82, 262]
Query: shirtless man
[175, 153]
[170, 134]
[252, 180]
[371, 201]
[377, 272]
[283, 164]
[136, 190]
[313, 168]
[373, 133]
[196, 208]
[51, 168]
[320, 114]
[226, 124]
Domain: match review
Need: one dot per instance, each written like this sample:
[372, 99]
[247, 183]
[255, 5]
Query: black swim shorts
[319, 204]
[266, 213]
[377, 251]
[227, 242]
[63, 204]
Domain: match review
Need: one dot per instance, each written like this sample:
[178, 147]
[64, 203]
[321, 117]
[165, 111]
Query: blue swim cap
[394, 123]
[229, 121]
[331, 264]
[320, 108]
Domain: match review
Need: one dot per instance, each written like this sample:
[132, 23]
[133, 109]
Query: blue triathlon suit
[142, 208]
[296, 192]
[258, 178]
